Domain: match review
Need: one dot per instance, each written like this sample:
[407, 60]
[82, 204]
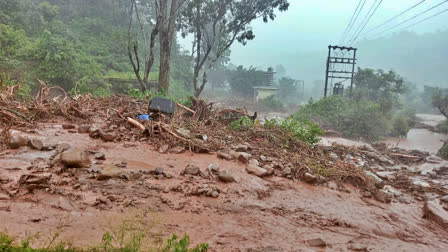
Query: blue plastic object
[144, 117]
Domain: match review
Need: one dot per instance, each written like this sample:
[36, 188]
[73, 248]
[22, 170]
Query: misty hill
[420, 58]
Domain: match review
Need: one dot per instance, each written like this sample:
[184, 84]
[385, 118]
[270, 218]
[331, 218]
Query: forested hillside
[78, 45]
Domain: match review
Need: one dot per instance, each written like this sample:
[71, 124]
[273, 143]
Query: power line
[421, 21]
[403, 12]
[367, 21]
[409, 19]
[350, 22]
[354, 20]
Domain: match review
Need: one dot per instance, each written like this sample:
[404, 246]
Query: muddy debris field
[82, 164]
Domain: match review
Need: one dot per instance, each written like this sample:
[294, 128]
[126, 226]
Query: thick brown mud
[251, 214]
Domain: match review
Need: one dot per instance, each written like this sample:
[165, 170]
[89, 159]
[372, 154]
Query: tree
[216, 24]
[378, 86]
[243, 80]
[288, 88]
[440, 100]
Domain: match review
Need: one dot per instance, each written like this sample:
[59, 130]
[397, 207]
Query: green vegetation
[306, 131]
[271, 103]
[135, 244]
[374, 110]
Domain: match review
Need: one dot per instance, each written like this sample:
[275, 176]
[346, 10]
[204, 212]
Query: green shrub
[443, 152]
[306, 131]
[442, 127]
[244, 123]
[271, 103]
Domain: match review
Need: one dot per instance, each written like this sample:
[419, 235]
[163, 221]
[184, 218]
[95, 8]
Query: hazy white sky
[311, 25]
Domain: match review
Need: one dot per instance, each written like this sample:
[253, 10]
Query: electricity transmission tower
[337, 66]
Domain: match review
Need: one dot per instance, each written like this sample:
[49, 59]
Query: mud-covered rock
[84, 128]
[192, 170]
[432, 210]
[177, 149]
[309, 178]
[75, 158]
[224, 155]
[318, 242]
[36, 144]
[244, 157]
[107, 136]
[241, 148]
[226, 177]
[31, 181]
[269, 169]
[256, 170]
[17, 141]
[68, 126]
[100, 156]
[383, 196]
[108, 172]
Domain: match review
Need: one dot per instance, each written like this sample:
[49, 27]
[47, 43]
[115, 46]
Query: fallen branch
[184, 107]
[403, 155]
[136, 124]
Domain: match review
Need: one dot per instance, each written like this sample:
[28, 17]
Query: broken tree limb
[136, 124]
[403, 155]
[184, 107]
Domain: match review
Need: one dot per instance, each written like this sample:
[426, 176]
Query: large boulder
[17, 141]
[432, 210]
[75, 158]
[256, 170]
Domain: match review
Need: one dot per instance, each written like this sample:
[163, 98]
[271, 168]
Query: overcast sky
[311, 25]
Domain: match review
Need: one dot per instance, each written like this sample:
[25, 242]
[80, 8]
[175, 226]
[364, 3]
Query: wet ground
[251, 214]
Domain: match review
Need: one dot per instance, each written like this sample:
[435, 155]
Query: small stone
[36, 144]
[202, 137]
[4, 196]
[164, 148]
[177, 149]
[75, 158]
[256, 170]
[241, 148]
[244, 157]
[434, 211]
[100, 156]
[254, 161]
[223, 155]
[215, 194]
[213, 168]
[94, 131]
[84, 128]
[68, 126]
[318, 242]
[263, 158]
[309, 178]
[159, 171]
[122, 164]
[192, 170]
[334, 155]
[383, 196]
[226, 177]
[110, 171]
[444, 199]
[17, 141]
[107, 137]
[269, 169]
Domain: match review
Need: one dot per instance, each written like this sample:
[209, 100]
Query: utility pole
[334, 61]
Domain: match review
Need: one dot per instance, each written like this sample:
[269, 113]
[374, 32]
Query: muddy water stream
[417, 139]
